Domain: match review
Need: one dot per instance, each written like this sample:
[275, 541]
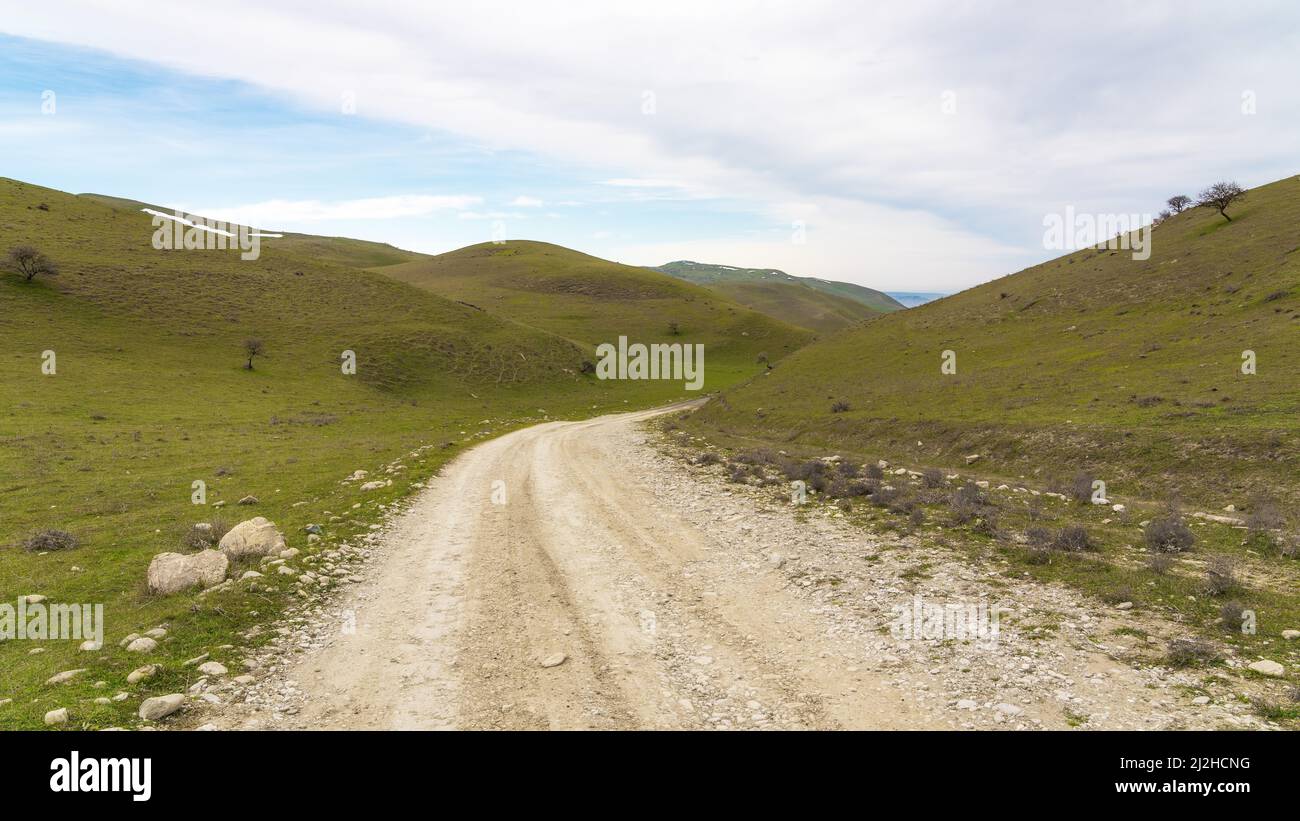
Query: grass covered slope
[590, 301]
[726, 279]
[1095, 361]
[150, 395]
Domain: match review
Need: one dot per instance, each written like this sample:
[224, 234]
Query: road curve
[543, 544]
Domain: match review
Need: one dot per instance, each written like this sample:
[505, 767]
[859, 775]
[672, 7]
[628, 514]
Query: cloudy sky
[908, 146]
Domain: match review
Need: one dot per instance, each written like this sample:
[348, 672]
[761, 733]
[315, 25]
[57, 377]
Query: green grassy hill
[589, 301]
[150, 395]
[777, 290]
[1094, 361]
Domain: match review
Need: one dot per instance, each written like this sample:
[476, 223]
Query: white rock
[554, 660]
[1118, 508]
[1268, 668]
[254, 537]
[1009, 709]
[59, 716]
[161, 706]
[372, 485]
[1124, 605]
[65, 676]
[144, 644]
[1201, 701]
[139, 674]
[250, 574]
[90, 646]
[1291, 635]
[212, 668]
[173, 572]
[966, 704]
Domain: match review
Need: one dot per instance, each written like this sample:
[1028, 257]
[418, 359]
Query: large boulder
[173, 572]
[255, 537]
[158, 707]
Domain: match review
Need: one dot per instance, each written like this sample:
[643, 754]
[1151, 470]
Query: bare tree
[1221, 195]
[252, 347]
[30, 262]
[1179, 204]
[1161, 217]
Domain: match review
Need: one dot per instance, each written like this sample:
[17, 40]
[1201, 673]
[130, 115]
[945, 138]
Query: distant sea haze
[913, 298]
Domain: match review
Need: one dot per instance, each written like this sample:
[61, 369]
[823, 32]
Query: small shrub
[1220, 575]
[1169, 534]
[1038, 536]
[1121, 594]
[1232, 614]
[739, 473]
[1190, 652]
[1081, 488]
[708, 457]
[849, 470]
[1264, 517]
[1160, 563]
[1072, 538]
[916, 518]
[587, 366]
[43, 540]
[839, 407]
[874, 471]
[932, 478]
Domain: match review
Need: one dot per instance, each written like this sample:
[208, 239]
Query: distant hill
[727, 277]
[1095, 361]
[588, 300]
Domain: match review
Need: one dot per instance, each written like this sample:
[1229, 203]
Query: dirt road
[570, 576]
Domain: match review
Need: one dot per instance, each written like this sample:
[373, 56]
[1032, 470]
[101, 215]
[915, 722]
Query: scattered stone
[554, 660]
[64, 677]
[254, 537]
[158, 707]
[90, 646]
[372, 485]
[212, 668]
[1124, 605]
[1291, 635]
[144, 644]
[1201, 701]
[1009, 709]
[59, 716]
[34, 598]
[197, 660]
[1268, 668]
[173, 572]
[247, 500]
[966, 704]
[250, 574]
[139, 674]
[972, 459]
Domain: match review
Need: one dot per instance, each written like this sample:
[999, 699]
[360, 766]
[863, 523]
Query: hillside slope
[725, 277]
[1095, 361]
[147, 394]
[591, 301]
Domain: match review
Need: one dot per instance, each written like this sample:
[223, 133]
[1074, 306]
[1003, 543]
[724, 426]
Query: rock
[212, 668]
[966, 704]
[312, 538]
[286, 570]
[313, 529]
[144, 644]
[972, 459]
[1124, 605]
[1118, 508]
[130, 638]
[34, 598]
[554, 660]
[173, 572]
[244, 679]
[247, 500]
[103, 700]
[254, 537]
[250, 574]
[90, 646]
[161, 706]
[1291, 635]
[196, 660]
[1009, 709]
[156, 633]
[65, 676]
[59, 716]
[139, 674]
[372, 485]
[1268, 668]
[1201, 701]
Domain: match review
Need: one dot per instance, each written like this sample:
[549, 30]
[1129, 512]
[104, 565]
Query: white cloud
[527, 202]
[762, 103]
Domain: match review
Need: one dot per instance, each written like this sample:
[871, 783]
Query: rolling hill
[590, 301]
[829, 307]
[1094, 361]
[146, 394]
